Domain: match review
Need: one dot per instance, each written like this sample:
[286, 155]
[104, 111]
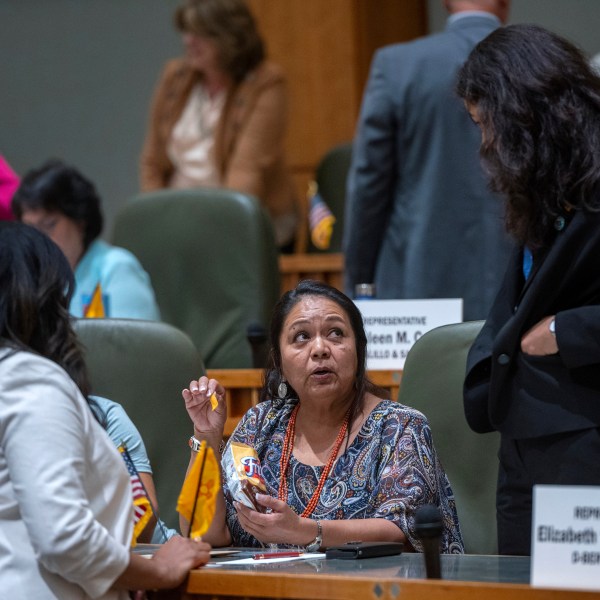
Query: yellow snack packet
[242, 471]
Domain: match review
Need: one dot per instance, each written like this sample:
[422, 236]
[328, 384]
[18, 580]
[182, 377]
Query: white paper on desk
[267, 561]
[220, 552]
[223, 552]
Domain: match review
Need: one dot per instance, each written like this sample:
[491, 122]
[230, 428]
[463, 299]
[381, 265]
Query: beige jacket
[249, 140]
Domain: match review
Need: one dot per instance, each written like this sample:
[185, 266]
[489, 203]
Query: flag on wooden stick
[142, 509]
[320, 219]
[198, 498]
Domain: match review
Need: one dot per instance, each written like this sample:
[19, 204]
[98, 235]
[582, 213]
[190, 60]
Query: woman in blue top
[340, 463]
[61, 202]
[121, 430]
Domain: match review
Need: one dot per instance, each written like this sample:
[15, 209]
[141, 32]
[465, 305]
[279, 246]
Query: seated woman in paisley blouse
[340, 462]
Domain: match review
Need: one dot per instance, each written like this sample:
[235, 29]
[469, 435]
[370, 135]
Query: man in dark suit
[419, 220]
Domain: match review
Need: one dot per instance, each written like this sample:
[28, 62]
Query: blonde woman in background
[218, 116]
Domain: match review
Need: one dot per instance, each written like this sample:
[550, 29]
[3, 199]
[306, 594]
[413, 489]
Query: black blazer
[529, 396]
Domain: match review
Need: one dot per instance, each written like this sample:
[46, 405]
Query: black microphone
[257, 336]
[428, 527]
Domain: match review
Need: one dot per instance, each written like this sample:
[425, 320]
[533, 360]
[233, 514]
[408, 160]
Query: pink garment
[9, 182]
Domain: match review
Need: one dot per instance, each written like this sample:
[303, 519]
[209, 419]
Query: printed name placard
[393, 326]
[565, 537]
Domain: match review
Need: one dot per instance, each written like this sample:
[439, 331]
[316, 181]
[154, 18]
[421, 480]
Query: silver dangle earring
[282, 389]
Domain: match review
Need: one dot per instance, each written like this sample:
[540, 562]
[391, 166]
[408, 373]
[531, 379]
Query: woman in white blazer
[66, 511]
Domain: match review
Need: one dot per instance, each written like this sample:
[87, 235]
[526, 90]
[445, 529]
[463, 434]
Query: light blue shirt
[121, 430]
[126, 289]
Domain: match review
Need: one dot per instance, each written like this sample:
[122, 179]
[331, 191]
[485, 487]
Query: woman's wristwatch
[195, 444]
[316, 543]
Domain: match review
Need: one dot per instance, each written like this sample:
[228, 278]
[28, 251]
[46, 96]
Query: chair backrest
[212, 259]
[144, 365]
[331, 175]
[432, 382]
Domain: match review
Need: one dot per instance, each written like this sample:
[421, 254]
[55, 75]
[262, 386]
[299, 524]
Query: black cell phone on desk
[354, 550]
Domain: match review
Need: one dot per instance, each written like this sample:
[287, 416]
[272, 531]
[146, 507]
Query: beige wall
[77, 74]
[578, 20]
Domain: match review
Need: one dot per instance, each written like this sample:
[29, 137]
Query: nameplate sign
[565, 540]
[393, 326]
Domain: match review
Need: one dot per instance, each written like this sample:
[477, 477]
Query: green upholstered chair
[212, 259]
[330, 176]
[144, 365]
[432, 382]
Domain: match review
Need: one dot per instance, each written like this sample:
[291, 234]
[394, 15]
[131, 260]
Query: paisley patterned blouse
[390, 469]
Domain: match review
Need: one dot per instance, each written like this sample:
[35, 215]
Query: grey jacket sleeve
[371, 180]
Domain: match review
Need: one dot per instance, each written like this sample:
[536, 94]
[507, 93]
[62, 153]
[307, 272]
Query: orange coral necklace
[286, 454]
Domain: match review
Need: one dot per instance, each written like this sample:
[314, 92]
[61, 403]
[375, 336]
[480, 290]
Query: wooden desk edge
[233, 584]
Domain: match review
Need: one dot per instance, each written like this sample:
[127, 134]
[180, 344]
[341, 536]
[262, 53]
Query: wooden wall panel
[313, 40]
[325, 48]
[383, 22]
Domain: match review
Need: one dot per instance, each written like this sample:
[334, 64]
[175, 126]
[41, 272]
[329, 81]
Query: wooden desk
[243, 388]
[466, 577]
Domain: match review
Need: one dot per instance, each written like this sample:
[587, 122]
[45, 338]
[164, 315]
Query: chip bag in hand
[242, 471]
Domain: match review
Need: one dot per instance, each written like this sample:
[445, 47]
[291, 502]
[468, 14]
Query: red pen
[277, 555]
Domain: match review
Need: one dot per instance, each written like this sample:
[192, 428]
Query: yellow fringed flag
[142, 509]
[95, 309]
[198, 498]
[320, 218]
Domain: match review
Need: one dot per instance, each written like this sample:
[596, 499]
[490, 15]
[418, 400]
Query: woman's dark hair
[231, 24]
[57, 187]
[36, 284]
[537, 100]
[306, 288]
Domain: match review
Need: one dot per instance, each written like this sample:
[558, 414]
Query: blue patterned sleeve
[410, 475]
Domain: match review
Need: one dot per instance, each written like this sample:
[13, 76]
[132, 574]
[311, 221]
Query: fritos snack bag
[241, 469]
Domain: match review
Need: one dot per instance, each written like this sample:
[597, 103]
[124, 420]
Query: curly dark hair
[36, 284]
[231, 24]
[273, 373]
[537, 100]
[57, 187]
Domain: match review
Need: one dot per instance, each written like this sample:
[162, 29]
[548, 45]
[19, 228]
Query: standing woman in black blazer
[533, 374]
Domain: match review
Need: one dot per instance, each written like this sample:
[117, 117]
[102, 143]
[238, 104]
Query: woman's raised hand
[208, 415]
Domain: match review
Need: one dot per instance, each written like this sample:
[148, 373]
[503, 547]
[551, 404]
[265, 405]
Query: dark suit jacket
[529, 396]
[420, 221]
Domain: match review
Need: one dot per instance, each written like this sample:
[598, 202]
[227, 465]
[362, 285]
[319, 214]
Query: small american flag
[320, 219]
[142, 510]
